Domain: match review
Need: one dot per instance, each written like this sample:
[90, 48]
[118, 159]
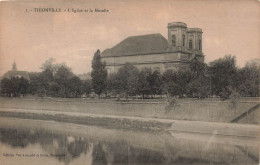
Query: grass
[189, 109]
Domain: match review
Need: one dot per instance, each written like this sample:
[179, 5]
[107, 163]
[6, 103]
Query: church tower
[187, 42]
[195, 40]
[177, 36]
[14, 68]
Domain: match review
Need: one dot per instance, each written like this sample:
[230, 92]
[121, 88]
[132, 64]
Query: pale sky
[229, 27]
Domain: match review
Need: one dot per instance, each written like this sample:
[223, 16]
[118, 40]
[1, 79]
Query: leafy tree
[177, 83]
[144, 87]
[124, 82]
[23, 86]
[98, 74]
[155, 83]
[73, 85]
[224, 73]
[34, 83]
[167, 77]
[113, 84]
[14, 87]
[127, 78]
[6, 87]
[197, 68]
[248, 80]
[54, 90]
[86, 87]
[61, 77]
[49, 65]
[199, 85]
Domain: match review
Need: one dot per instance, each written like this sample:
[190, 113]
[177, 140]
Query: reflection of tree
[98, 155]
[52, 143]
[103, 152]
[121, 152]
[17, 139]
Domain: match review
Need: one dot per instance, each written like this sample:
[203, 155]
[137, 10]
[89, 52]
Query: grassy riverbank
[186, 109]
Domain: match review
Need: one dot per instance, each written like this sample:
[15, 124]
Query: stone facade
[155, 52]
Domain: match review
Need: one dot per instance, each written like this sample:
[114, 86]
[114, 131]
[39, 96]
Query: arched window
[173, 40]
[199, 44]
[183, 40]
[190, 44]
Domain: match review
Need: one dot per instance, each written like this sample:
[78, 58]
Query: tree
[112, 84]
[98, 74]
[199, 85]
[176, 83]
[61, 77]
[86, 87]
[248, 80]
[127, 78]
[14, 87]
[124, 81]
[155, 83]
[23, 86]
[49, 65]
[168, 78]
[73, 85]
[224, 74]
[6, 87]
[34, 83]
[144, 87]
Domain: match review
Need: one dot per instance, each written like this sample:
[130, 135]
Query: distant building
[85, 76]
[15, 73]
[155, 52]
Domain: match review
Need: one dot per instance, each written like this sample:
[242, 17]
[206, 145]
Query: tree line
[220, 78]
[55, 80]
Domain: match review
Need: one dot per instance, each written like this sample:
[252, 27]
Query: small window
[190, 44]
[173, 40]
[199, 44]
[183, 40]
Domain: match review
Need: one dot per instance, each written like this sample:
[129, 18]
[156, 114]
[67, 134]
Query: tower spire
[14, 68]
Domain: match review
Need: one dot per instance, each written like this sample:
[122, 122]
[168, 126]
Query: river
[44, 142]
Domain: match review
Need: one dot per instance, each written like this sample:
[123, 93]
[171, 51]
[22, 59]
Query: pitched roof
[12, 73]
[137, 45]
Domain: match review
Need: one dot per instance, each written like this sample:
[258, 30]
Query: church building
[15, 73]
[156, 52]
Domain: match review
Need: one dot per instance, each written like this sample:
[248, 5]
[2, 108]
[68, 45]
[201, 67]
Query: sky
[30, 38]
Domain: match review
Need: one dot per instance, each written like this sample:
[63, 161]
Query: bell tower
[177, 37]
[14, 68]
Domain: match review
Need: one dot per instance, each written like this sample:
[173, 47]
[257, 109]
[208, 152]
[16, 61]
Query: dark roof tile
[138, 45]
[12, 73]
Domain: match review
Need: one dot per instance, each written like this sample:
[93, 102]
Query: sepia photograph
[141, 82]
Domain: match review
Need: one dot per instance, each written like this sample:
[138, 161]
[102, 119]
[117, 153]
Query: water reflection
[67, 148]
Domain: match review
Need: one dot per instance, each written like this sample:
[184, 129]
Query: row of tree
[220, 78]
[56, 80]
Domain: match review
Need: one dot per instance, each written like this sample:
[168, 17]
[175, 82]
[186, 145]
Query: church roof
[137, 45]
[12, 73]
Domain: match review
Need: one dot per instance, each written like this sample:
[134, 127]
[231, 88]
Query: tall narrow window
[173, 40]
[199, 44]
[183, 40]
[190, 44]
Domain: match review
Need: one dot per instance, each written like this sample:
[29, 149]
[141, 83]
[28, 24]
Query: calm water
[48, 147]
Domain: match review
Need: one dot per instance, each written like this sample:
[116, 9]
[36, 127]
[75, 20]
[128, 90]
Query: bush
[173, 102]
[234, 98]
